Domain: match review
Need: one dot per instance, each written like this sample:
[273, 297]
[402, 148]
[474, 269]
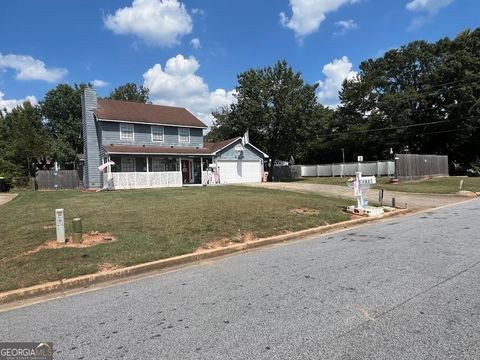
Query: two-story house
[143, 146]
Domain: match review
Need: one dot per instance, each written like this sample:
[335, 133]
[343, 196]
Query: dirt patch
[305, 211]
[108, 267]
[247, 237]
[214, 244]
[220, 243]
[91, 238]
[468, 193]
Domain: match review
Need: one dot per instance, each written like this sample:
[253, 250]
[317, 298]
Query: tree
[275, 105]
[62, 110]
[423, 96]
[24, 140]
[130, 92]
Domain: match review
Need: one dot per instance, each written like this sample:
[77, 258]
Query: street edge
[84, 281]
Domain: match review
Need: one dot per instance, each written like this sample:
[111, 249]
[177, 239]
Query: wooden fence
[57, 180]
[288, 172]
[416, 167]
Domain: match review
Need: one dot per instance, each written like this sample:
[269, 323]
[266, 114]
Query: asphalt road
[406, 288]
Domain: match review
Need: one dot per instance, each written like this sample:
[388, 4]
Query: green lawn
[149, 225]
[442, 185]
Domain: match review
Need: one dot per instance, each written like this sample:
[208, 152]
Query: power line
[448, 131]
[429, 91]
[388, 128]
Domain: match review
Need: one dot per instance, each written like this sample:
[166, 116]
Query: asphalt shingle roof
[146, 113]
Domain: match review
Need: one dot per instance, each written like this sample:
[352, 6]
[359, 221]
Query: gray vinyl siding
[249, 153]
[91, 143]
[143, 135]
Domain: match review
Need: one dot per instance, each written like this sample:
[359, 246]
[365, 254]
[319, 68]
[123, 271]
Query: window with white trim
[126, 131]
[184, 135]
[157, 133]
[128, 164]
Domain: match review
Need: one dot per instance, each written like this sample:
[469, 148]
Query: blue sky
[189, 52]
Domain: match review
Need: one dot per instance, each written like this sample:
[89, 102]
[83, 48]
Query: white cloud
[429, 6]
[345, 26]
[28, 68]
[179, 85]
[307, 15]
[197, 11]
[99, 83]
[428, 9]
[195, 42]
[335, 73]
[10, 104]
[158, 22]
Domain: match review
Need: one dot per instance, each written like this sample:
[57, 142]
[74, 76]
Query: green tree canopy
[424, 96]
[275, 105]
[24, 141]
[130, 92]
[62, 110]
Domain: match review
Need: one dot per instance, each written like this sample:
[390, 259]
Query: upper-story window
[157, 133]
[183, 135]
[126, 131]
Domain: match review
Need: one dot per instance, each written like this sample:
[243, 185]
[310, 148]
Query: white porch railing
[141, 180]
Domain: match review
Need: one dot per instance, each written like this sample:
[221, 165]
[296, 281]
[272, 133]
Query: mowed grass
[149, 225]
[440, 185]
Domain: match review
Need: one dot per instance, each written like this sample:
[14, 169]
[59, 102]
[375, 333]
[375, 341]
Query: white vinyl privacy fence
[378, 168]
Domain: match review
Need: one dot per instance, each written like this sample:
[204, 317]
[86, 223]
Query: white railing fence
[141, 180]
[378, 168]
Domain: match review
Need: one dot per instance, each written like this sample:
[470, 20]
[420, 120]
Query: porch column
[201, 170]
[181, 170]
[109, 174]
[148, 170]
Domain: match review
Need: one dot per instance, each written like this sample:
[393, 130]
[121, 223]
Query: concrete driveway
[4, 198]
[415, 201]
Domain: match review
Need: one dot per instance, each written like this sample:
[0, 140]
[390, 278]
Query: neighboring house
[145, 146]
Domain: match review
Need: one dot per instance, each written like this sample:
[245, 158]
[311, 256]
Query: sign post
[60, 225]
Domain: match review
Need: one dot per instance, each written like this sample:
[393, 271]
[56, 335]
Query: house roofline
[150, 123]
[159, 153]
[227, 145]
[260, 151]
[236, 139]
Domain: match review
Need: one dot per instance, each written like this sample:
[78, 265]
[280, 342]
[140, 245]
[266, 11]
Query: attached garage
[240, 171]
[237, 161]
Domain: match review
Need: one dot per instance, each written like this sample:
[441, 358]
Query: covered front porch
[154, 171]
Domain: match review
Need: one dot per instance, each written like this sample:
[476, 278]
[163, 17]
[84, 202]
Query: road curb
[97, 278]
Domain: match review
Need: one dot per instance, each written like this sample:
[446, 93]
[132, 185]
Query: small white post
[60, 225]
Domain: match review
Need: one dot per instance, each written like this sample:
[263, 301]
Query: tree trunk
[270, 170]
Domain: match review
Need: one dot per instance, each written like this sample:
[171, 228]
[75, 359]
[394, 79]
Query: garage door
[234, 172]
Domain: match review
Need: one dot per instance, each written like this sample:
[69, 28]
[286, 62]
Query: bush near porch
[149, 225]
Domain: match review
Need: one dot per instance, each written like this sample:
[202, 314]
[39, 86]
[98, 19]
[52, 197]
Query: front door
[186, 171]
